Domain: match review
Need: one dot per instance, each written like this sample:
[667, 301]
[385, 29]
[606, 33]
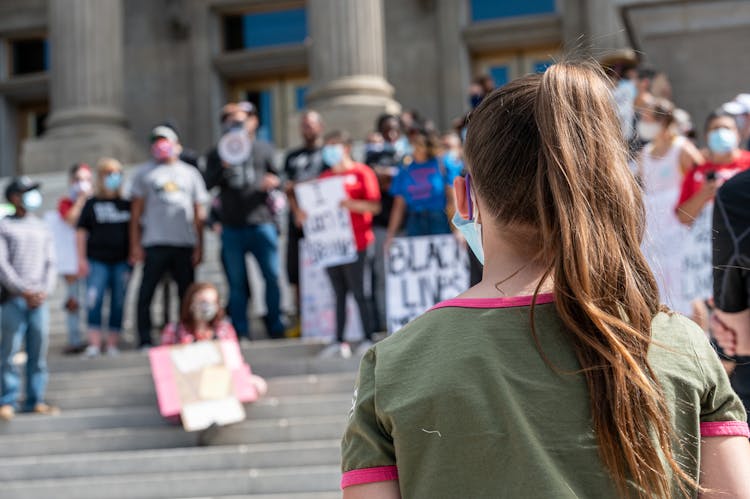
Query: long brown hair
[186, 314]
[556, 140]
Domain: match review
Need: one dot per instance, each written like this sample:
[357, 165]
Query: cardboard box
[202, 383]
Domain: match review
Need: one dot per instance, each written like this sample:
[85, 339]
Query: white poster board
[421, 272]
[318, 303]
[697, 265]
[64, 238]
[328, 227]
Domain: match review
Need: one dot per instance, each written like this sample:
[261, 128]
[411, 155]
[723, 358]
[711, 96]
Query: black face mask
[230, 126]
[475, 100]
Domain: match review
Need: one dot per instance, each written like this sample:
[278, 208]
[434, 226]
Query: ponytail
[585, 204]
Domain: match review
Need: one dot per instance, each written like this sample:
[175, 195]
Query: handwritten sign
[203, 383]
[318, 303]
[328, 227]
[421, 272]
[697, 266]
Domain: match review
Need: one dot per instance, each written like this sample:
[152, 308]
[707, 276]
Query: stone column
[86, 78]
[346, 63]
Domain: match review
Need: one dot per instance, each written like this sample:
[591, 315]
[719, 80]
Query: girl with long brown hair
[559, 374]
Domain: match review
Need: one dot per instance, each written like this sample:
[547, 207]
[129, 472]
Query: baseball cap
[19, 185]
[165, 132]
[232, 107]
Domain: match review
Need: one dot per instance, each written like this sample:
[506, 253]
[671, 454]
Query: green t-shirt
[460, 404]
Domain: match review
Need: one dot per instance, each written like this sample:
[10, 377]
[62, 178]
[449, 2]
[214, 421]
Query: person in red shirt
[362, 187]
[724, 159]
[69, 208]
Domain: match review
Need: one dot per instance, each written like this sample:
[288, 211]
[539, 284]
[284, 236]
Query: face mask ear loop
[469, 201]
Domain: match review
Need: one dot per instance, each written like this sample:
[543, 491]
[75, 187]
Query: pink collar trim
[513, 301]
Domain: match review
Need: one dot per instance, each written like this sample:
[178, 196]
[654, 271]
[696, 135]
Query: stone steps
[167, 485]
[276, 455]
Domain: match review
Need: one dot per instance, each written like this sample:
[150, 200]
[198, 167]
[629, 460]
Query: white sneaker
[345, 351]
[113, 351]
[92, 351]
[363, 348]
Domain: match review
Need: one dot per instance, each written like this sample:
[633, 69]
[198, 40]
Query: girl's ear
[462, 202]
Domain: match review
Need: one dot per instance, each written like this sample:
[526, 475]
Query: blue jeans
[427, 223]
[73, 315]
[19, 323]
[263, 242]
[103, 277]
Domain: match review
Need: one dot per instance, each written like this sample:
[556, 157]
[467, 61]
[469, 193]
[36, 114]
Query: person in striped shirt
[27, 278]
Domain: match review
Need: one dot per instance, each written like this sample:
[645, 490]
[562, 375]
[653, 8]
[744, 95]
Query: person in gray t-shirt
[166, 227]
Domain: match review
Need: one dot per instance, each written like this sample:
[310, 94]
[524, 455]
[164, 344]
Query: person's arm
[136, 211]
[689, 210]
[271, 179]
[9, 278]
[725, 468]
[397, 217]
[379, 490]
[198, 224]
[361, 206]
[83, 264]
[72, 214]
[214, 170]
[690, 157]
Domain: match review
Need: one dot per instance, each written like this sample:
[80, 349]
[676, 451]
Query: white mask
[648, 130]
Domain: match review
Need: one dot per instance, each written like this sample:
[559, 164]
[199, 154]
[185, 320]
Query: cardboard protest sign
[421, 272]
[204, 383]
[64, 237]
[697, 265]
[318, 303]
[328, 227]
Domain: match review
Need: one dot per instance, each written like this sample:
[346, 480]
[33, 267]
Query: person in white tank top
[663, 163]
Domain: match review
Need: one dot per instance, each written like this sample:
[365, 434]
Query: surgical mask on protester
[722, 140]
[403, 146]
[113, 181]
[162, 150]
[32, 200]
[648, 130]
[332, 154]
[470, 229]
[374, 148]
[205, 310]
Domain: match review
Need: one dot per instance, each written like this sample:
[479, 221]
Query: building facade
[84, 78]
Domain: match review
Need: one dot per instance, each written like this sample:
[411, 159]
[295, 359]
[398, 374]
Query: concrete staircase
[110, 442]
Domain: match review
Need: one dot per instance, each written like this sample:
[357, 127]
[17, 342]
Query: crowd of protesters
[402, 185]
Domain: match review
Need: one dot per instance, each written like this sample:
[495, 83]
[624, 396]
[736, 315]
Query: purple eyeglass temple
[468, 196]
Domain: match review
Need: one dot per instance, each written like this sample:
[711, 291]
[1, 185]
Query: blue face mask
[332, 154]
[470, 229]
[32, 200]
[722, 140]
[113, 181]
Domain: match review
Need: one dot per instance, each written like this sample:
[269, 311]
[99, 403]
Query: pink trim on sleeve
[513, 301]
[369, 475]
[725, 429]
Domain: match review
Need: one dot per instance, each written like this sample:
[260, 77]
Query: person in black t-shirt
[730, 323]
[301, 164]
[384, 157]
[247, 219]
[103, 244]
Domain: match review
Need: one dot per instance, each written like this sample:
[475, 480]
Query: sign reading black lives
[421, 272]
